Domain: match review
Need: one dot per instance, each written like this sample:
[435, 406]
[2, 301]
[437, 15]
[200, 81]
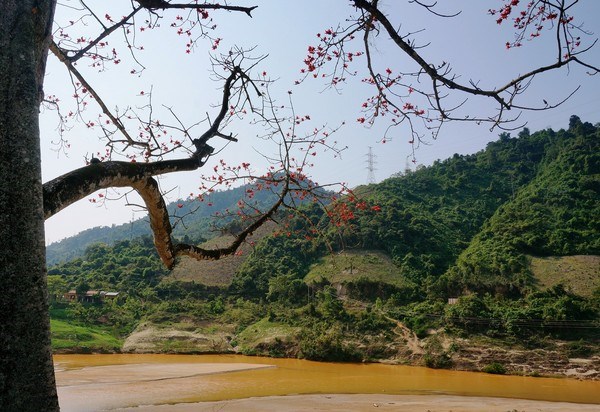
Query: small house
[71, 296]
[108, 295]
[91, 296]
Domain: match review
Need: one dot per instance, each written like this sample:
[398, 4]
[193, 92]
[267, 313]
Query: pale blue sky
[472, 42]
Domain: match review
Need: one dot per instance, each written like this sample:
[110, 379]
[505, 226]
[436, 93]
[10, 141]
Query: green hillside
[128, 266]
[351, 266]
[484, 256]
[556, 214]
[429, 216]
[426, 219]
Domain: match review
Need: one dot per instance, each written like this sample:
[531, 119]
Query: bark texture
[26, 370]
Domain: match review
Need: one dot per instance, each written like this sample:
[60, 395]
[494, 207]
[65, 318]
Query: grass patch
[68, 337]
[264, 331]
[580, 274]
[352, 265]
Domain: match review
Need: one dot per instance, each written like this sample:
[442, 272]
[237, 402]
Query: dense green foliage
[466, 223]
[128, 266]
[464, 227]
[429, 216]
[282, 257]
[556, 214]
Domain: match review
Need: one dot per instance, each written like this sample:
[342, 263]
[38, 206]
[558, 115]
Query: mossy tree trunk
[26, 371]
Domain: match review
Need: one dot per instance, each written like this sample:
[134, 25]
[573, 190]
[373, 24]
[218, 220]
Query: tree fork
[71, 187]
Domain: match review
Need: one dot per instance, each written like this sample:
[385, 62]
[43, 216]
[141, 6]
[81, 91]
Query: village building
[90, 296]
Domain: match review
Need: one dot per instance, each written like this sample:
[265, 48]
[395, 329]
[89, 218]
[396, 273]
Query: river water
[114, 381]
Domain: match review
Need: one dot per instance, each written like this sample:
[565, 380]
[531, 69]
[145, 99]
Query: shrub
[437, 360]
[495, 368]
[435, 355]
[324, 343]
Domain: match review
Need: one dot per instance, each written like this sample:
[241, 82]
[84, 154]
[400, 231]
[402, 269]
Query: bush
[435, 355]
[437, 360]
[369, 321]
[469, 313]
[324, 343]
[494, 368]
[421, 317]
[579, 349]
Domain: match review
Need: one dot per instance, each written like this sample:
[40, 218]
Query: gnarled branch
[67, 189]
[77, 184]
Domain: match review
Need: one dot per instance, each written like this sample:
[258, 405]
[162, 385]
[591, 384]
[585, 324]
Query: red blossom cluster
[531, 20]
[380, 106]
[505, 11]
[347, 208]
[195, 26]
[330, 47]
[331, 51]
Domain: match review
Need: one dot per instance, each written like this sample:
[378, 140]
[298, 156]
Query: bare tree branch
[412, 53]
[159, 219]
[161, 4]
[213, 254]
[105, 33]
[60, 54]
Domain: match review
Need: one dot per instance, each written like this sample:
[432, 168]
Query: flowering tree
[424, 97]
[423, 94]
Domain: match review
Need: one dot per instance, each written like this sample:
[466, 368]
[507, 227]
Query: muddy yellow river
[97, 382]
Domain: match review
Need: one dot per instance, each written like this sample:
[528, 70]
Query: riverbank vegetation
[487, 261]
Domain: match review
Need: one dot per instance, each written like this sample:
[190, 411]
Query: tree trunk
[26, 370]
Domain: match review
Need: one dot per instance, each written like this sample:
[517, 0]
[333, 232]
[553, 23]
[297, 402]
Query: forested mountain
[556, 214]
[465, 223]
[532, 195]
[503, 243]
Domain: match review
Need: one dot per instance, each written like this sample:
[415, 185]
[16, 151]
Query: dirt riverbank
[453, 353]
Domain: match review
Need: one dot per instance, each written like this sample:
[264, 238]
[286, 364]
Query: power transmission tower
[371, 166]
[407, 168]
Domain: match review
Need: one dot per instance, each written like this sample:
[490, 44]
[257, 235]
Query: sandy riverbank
[112, 387]
[356, 403]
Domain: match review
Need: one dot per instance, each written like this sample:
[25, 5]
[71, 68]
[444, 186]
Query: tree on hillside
[28, 32]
